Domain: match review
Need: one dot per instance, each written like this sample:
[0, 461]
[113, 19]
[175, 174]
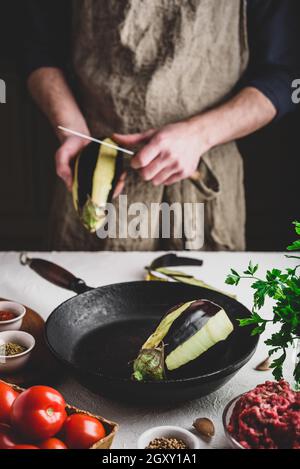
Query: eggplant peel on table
[97, 171]
[185, 333]
[160, 271]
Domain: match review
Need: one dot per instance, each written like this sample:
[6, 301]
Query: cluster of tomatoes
[37, 419]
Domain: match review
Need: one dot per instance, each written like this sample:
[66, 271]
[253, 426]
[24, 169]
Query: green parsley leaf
[284, 289]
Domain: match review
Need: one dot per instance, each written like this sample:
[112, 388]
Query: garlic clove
[204, 427]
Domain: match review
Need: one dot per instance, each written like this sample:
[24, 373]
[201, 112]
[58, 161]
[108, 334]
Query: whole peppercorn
[167, 443]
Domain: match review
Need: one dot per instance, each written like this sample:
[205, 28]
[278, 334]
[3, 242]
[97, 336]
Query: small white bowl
[11, 364]
[233, 443]
[168, 431]
[16, 323]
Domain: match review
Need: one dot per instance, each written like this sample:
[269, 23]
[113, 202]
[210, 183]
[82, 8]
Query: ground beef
[267, 417]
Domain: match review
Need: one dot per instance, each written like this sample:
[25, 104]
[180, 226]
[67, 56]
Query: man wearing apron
[172, 77]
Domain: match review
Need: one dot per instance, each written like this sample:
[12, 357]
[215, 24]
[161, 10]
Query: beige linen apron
[141, 64]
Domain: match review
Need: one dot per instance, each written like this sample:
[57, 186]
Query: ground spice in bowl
[7, 316]
[167, 443]
[11, 349]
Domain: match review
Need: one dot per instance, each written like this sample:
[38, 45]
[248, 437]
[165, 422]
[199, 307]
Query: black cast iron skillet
[98, 333]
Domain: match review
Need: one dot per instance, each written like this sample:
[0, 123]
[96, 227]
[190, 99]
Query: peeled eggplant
[185, 333]
[96, 173]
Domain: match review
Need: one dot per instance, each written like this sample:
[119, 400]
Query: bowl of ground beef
[268, 417]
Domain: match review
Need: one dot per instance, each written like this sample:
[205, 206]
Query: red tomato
[82, 431]
[7, 397]
[52, 443]
[8, 439]
[39, 413]
[25, 447]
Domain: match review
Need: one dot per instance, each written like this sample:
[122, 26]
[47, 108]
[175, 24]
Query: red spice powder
[6, 316]
[268, 417]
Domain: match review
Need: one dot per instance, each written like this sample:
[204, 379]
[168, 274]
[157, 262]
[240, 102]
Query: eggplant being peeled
[185, 333]
[96, 173]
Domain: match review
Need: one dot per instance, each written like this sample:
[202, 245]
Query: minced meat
[268, 417]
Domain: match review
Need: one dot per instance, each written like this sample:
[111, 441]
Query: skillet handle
[55, 274]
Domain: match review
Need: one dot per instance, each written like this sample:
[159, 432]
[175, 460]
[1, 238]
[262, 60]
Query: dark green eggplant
[185, 333]
[96, 173]
[173, 260]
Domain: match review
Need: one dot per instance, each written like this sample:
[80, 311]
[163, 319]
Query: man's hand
[64, 156]
[173, 153]
[168, 155]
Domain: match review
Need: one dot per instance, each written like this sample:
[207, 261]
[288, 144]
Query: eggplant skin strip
[119, 168]
[84, 171]
[168, 275]
[173, 260]
[159, 334]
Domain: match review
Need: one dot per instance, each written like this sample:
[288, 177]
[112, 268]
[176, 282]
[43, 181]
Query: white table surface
[21, 284]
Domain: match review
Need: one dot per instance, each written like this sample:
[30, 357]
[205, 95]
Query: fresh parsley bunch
[284, 288]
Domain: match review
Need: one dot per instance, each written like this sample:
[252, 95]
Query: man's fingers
[120, 185]
[173, 179]
[132, 140]
[164, 175]
[149, 172]
[64, 155]
[63, 168]
[145, 156]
